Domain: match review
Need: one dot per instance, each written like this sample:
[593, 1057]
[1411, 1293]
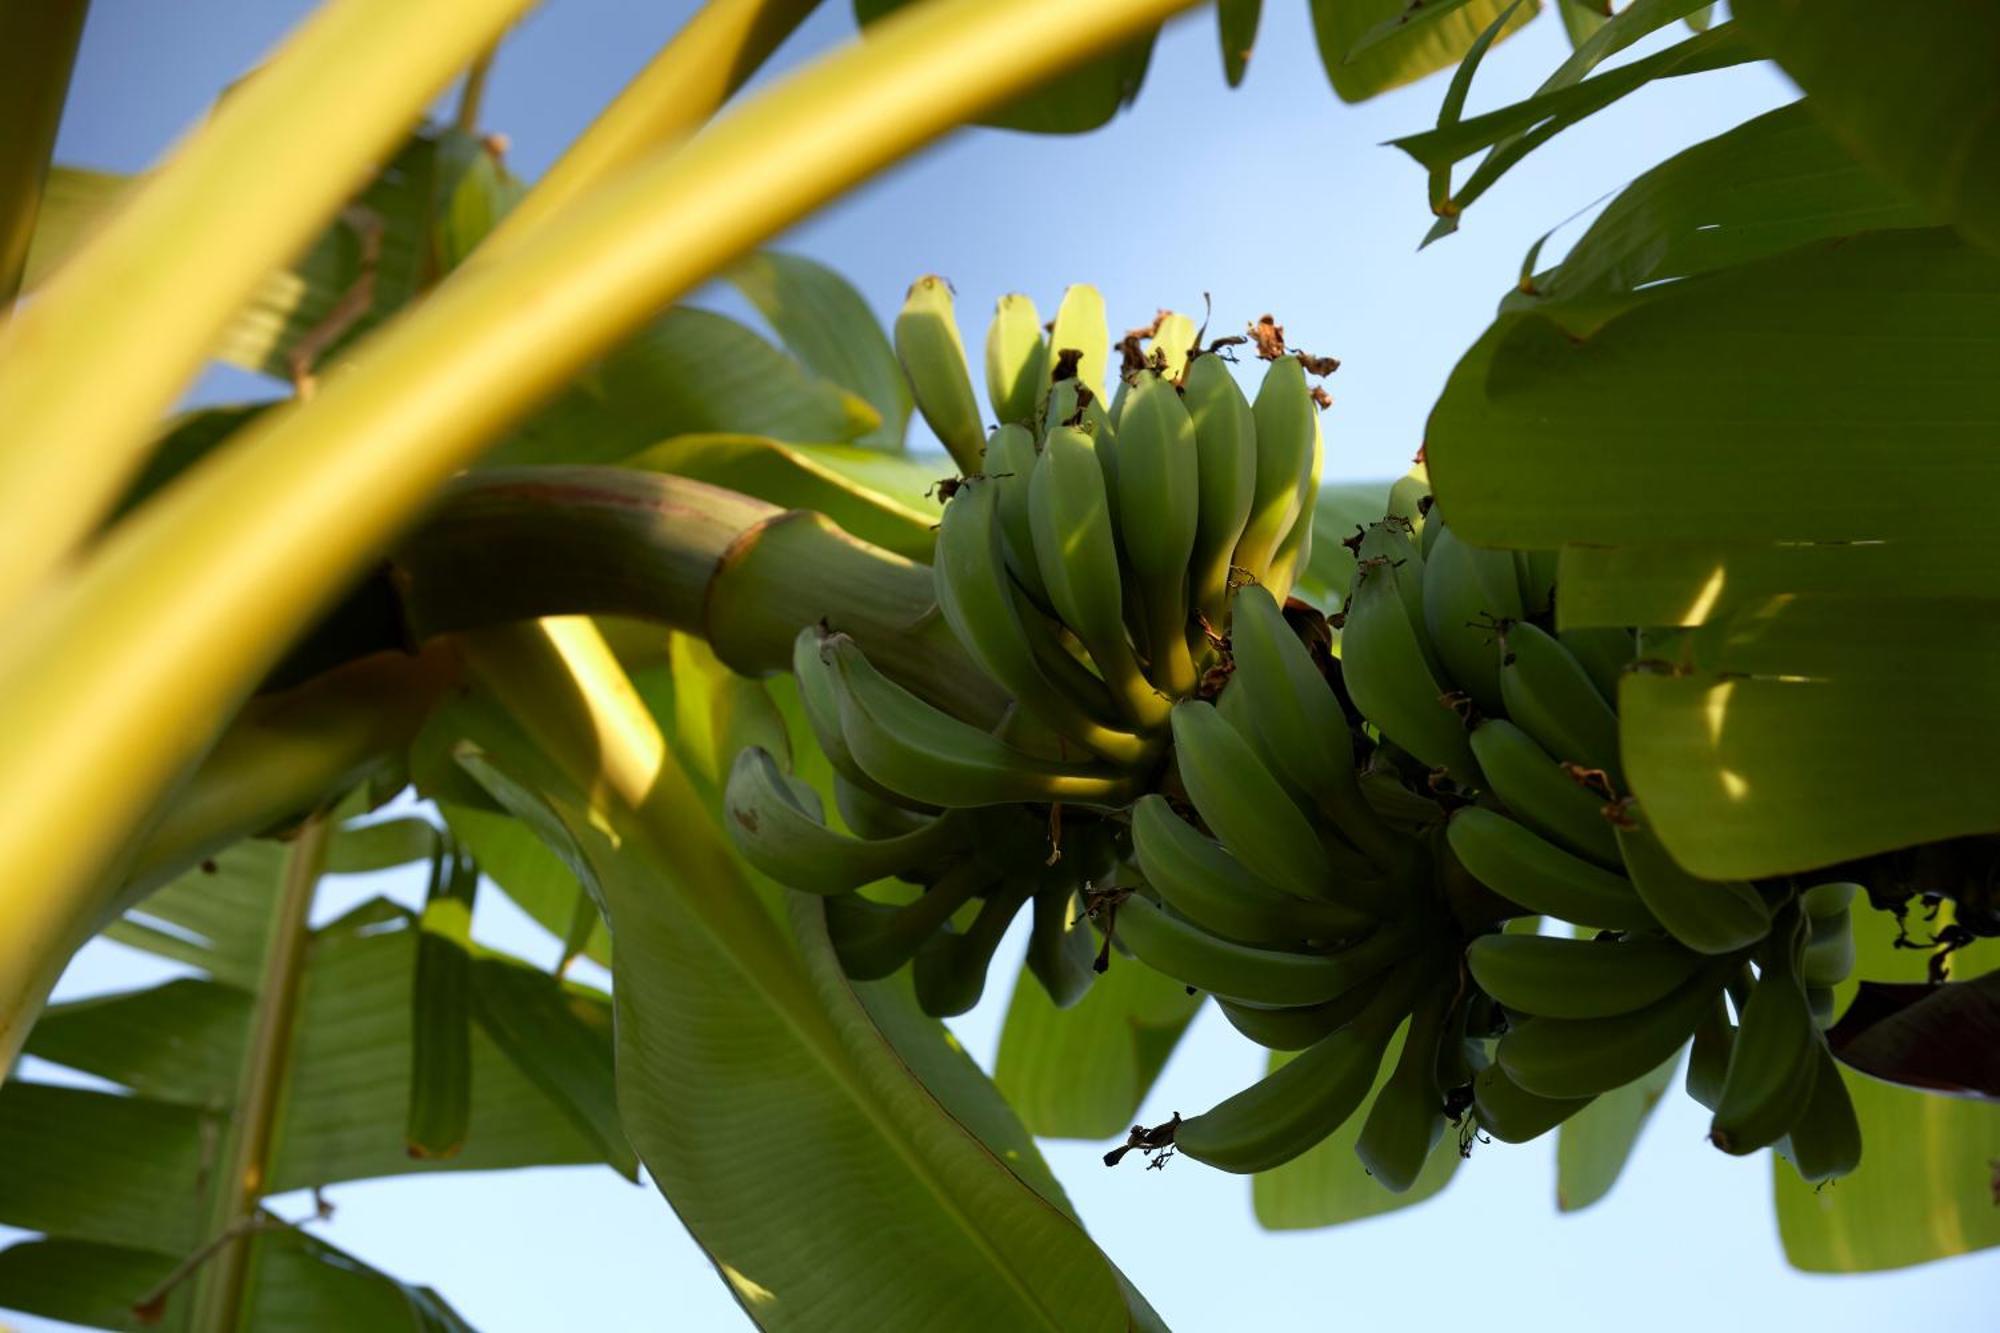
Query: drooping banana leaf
[1364, 56]
[829, 1186]
[120, 1183]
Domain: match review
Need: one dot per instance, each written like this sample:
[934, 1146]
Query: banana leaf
[119, 1181]
[829, 1186]
[1924, 1189]
[1365, 52]
[1909, 88]
[1081, 1072]
[1593, 1145]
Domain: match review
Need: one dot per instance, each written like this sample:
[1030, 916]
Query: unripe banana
[983, 609]
[872, 939]
[1552, 977]
[1519, 864]
[950, 970]
[1011, 458]
[1295, 548]
[1248, 810]
[933, 357]
[1172, 340]
[1551, 697]
[1076, 550]
[922, 753]
[1061, 947]
[1080, 326]
[1512, 1114]
[1017, 362]
[1825, 900]
[1294, 1107]
[1468, 593]
[1245, 973]
[1583, 1057]
[1393, 541]
[789, 843]
[1712, 916]
[1604, 653]
[1708, 1054]
[1299, 722]
[1208, 886]
[1285, 418]
[1775, 1059]
[819, 698]
[1829, 954]
[870, 815]
[1536, 573]
[1390, 679]
[1540, 792]
[1159, 510]
[1825, 1141]
[1295, 1029]
[1226, 451]
[1407, 1118]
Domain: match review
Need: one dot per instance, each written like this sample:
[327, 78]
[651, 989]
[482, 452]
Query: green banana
[1299, 722]
[1017, 362]
[1294, 549]
[1244, 973]
[870, 815]
[1540, 792]
[873, 939]
[819, 697]
[1225, 433]
[1604, 653]
[1830, 899]
[1468, 593]
[1552, 977]
[1708, 1054]
[1407, 1118]
[1172, 343]
[1213, 889]
[1295, 1029]
[1775, 1060]
[1512, 1114]
[1829, 952]
[922, 753]
[1550, 696]
[1519, 864]
[1011, 457]
[1535, 571]
[1825, 1141]
[1390, 679]
[1080, 326]
[1076, 550]
[1582, 1057]
[1159, 510]
[1292, 1108]
[1239, 799]
[786, 841]
[950, 969]
[1820, 1000]
[1712, 916]
[1061, 947]
[1286, 419]
[982, 607]
[933, 357]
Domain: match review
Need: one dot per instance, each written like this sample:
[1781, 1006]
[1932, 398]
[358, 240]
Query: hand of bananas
[1329, 846]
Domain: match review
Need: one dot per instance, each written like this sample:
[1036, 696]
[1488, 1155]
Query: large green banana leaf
[1366, 50]
[1081, 1072]
[119, 1182]
[831, 1188]
[1593, 1145]
[1924, 1189]
[1909, 88]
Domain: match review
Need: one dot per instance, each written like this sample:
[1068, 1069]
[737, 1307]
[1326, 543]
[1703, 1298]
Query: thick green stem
[246, 1157]
[510, 544]
[38, 41]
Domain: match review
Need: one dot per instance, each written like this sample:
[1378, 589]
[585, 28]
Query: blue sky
[1273, 197]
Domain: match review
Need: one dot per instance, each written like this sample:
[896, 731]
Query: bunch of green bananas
[1084, 561]
[1350, 861]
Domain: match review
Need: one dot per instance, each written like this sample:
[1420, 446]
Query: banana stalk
[510, 544]
[37, 51]
[119, 673]
[140, 305]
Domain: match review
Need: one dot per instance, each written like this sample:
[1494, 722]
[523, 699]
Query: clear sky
[1273, 197]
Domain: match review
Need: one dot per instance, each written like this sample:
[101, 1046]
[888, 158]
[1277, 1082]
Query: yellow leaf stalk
[115, 676]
